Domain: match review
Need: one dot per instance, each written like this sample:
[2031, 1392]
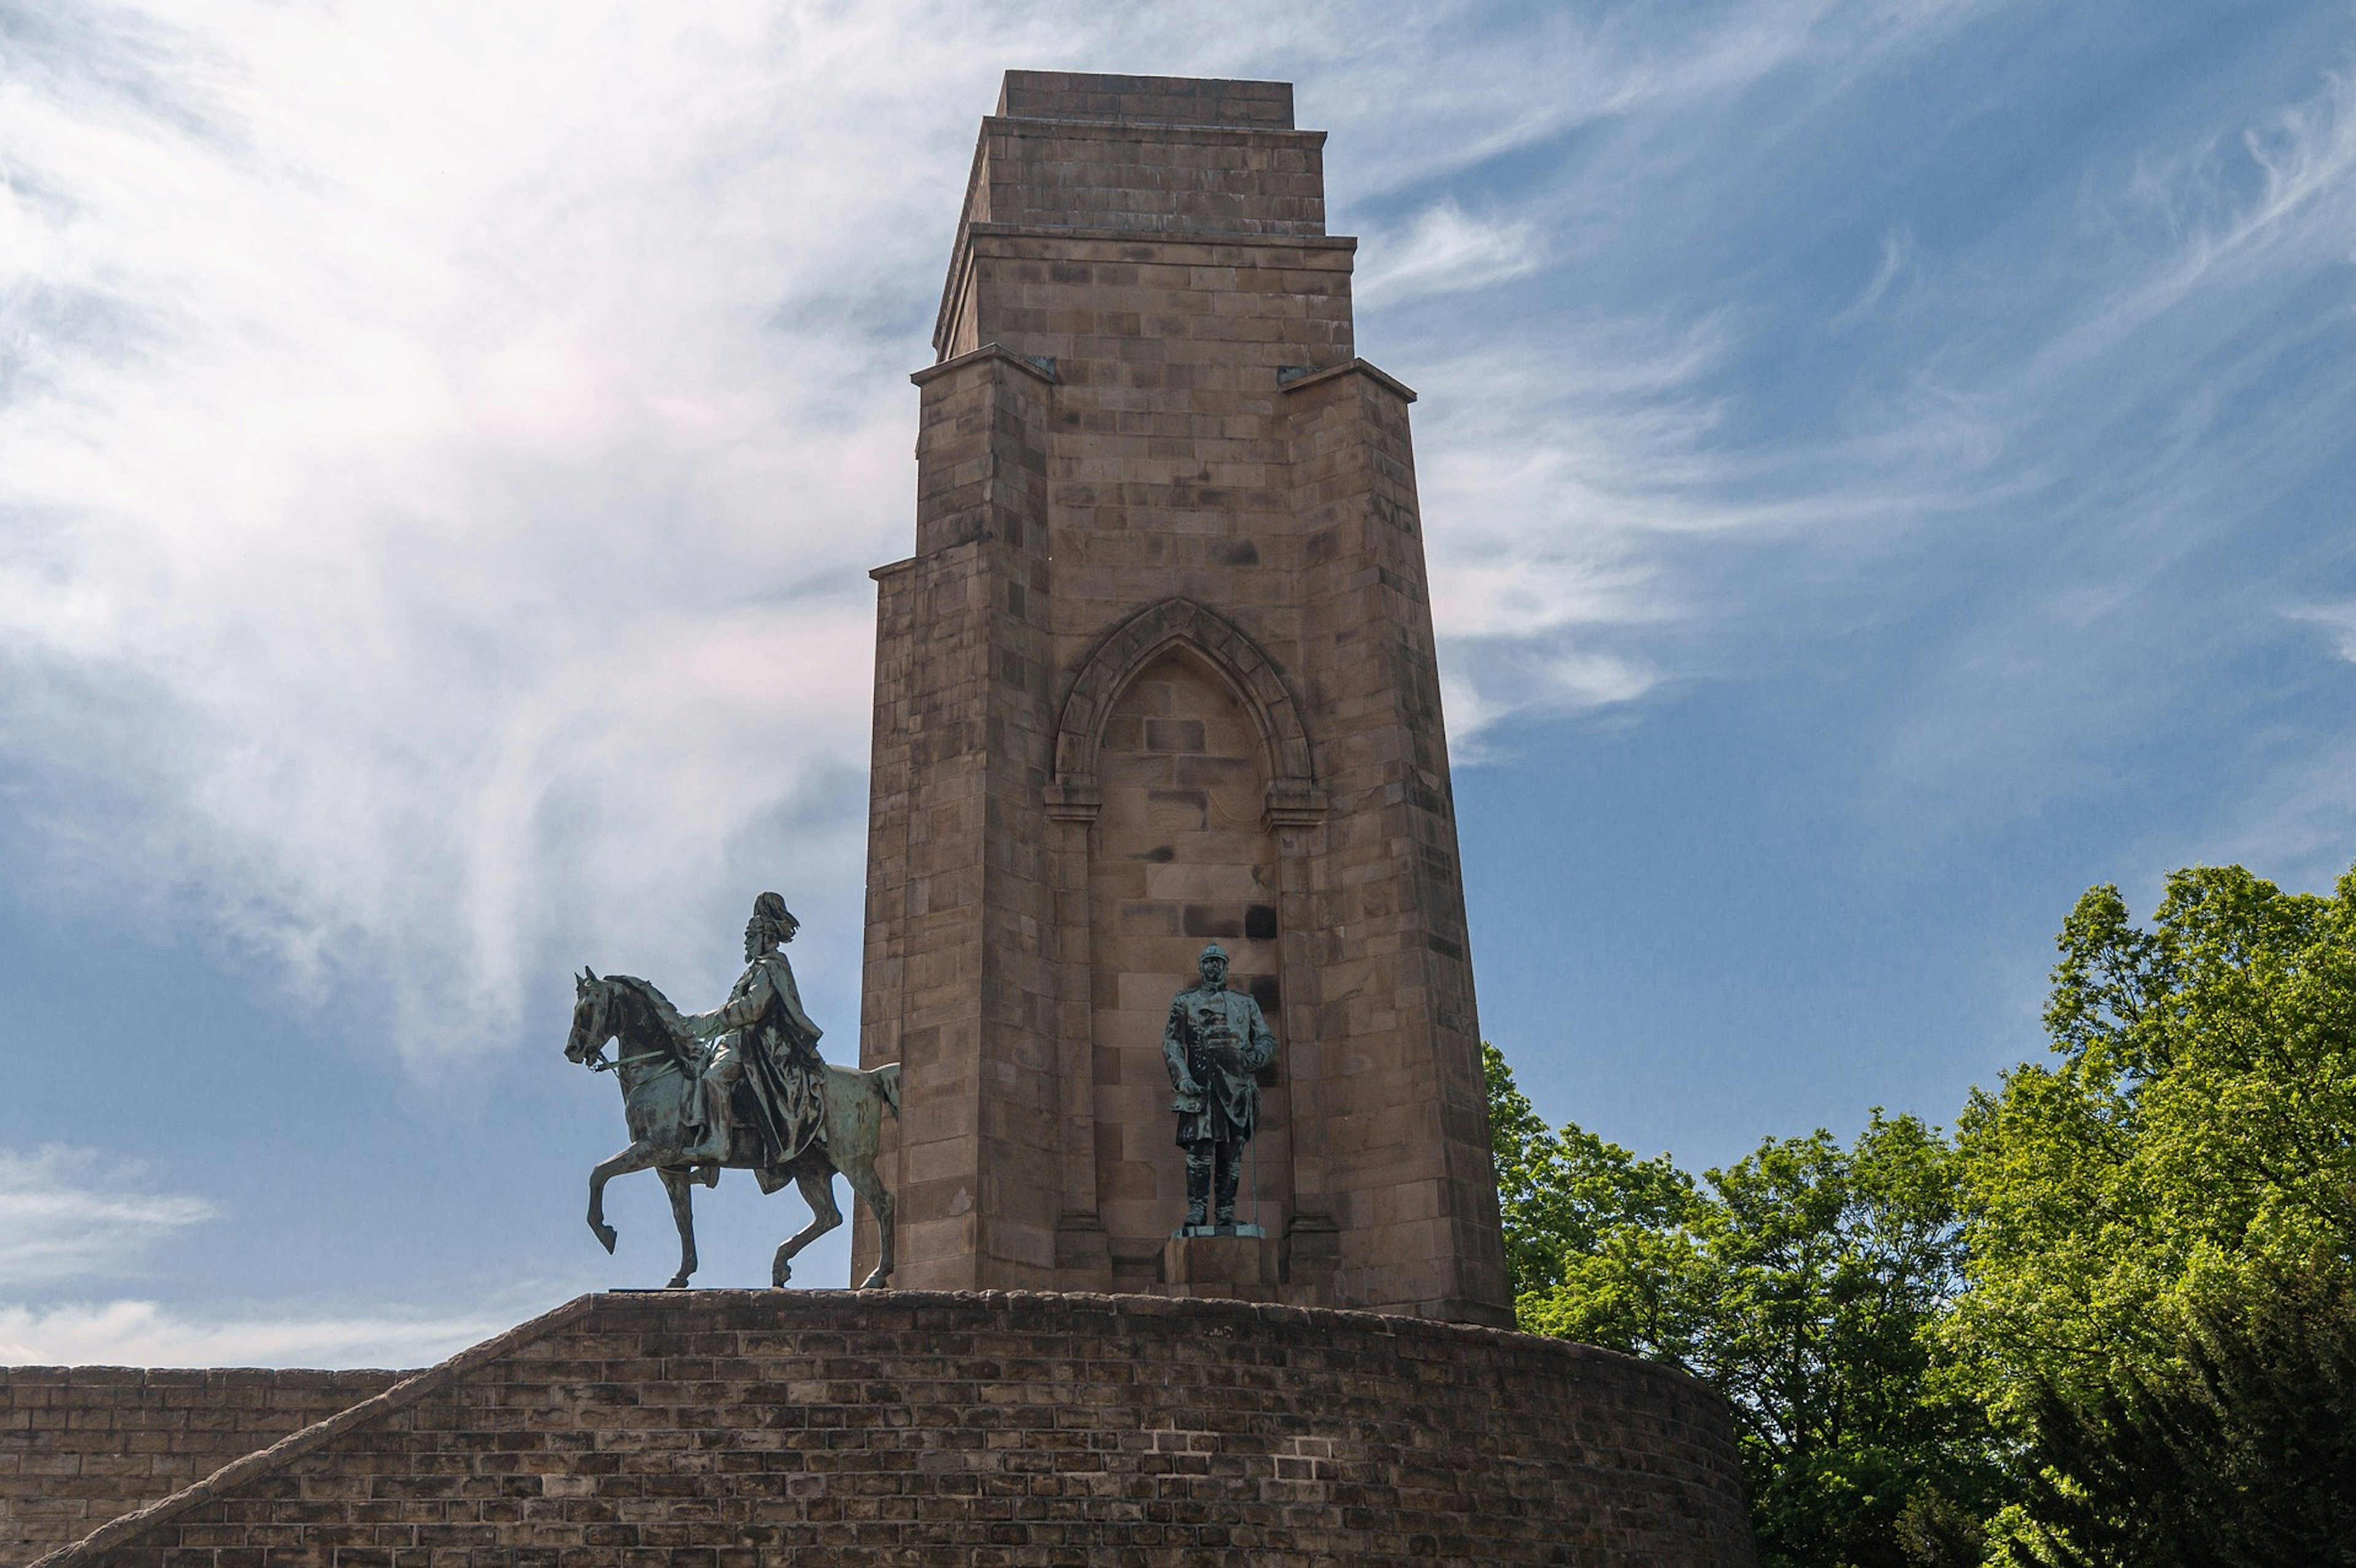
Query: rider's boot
[1200, 1160]
[1230, 1164]
[709, 1131]
[709, 1146]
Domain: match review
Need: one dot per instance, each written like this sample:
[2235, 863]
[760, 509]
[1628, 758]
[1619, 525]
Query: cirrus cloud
[70, 1213]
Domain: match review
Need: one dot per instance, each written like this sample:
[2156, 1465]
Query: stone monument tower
[1161, 672]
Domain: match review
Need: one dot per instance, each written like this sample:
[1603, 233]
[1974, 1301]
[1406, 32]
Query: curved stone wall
[738, 1427]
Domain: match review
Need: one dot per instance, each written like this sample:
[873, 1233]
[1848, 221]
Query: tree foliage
[2197, 1133]
[1565, 1193]
[1801, 1283]
[2112, 1324]
[2236, 1450]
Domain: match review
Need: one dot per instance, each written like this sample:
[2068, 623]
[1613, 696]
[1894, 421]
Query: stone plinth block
[1231, 1261]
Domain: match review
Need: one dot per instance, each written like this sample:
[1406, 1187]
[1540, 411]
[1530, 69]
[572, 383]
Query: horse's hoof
[678, 1282]
[783, 1271]
[875, 1281]
[606, 1233]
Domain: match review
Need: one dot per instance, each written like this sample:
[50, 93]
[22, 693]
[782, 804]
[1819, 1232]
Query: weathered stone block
[1226, 1264]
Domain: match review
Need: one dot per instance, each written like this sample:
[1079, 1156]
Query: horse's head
[595, 1019]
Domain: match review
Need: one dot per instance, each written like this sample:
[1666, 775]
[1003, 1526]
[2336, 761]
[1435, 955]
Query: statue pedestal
[1221, 1260]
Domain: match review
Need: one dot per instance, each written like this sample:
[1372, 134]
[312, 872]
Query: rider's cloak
[783, 1072]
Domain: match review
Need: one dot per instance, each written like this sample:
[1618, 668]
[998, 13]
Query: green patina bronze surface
[1216, 1043]
[742, 1088]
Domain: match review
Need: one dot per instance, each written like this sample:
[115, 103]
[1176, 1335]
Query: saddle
[749, 1123]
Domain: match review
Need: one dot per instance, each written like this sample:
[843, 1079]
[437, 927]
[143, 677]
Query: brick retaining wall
[82, 1444]
[728, 1428]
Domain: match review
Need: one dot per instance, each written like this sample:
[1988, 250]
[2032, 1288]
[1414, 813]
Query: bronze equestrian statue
[758, 1098]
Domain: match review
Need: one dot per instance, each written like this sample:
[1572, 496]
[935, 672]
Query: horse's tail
[887, 1082]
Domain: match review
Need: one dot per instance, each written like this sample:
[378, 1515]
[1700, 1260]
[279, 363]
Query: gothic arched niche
[1180, 855]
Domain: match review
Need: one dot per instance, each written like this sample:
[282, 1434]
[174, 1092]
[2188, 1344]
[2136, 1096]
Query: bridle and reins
[596, 1060]
[598, 1063]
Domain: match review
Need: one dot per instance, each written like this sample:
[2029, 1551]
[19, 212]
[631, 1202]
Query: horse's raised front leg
[818, 1190]
[637, 1156]
[869, 1186]
[682, 1213]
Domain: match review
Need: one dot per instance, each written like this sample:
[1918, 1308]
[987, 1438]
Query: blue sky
[1885, 466]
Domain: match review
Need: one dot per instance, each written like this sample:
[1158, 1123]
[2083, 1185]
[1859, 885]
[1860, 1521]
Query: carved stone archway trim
[1293, 798]
[1296, 809]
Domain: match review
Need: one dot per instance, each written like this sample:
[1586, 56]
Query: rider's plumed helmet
[769, 910]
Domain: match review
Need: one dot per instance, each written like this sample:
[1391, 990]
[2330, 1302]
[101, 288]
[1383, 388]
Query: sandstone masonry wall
[736, 1429]
[1149, 457]
[81, 1445]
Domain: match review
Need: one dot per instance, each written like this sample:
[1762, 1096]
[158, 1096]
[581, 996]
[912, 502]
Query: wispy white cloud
[2299, 829]
[70, 1213]
[135, 1333]
[1559, 677]
[1897, 250]
[2067, 396]
[2282, 183]
[2338, 623]
[1558, 482]
[445, 444]
[1449, 86]
[1445, 251]
[442, 496]
[70, 1217]
[2138, 476]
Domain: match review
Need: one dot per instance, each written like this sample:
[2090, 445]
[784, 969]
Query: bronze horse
[658, 1062]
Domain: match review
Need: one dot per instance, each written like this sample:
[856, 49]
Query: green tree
[1831, 1267]
[2115, 1317]
[1802, 1283]
[2135, 1210]
[1566, 1194]
[2199, 1131]
[2238, 1450]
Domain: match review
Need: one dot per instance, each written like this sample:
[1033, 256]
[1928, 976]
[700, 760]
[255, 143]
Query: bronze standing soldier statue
[1216, 1044]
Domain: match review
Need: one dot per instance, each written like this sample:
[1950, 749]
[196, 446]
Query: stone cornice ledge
[1298, 381]
[122, 1530]
[1042, 369]
[1111, 128]
[1295, 803]
[1133, 234]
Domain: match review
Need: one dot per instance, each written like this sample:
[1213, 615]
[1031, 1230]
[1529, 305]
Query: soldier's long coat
[1217, 1037]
